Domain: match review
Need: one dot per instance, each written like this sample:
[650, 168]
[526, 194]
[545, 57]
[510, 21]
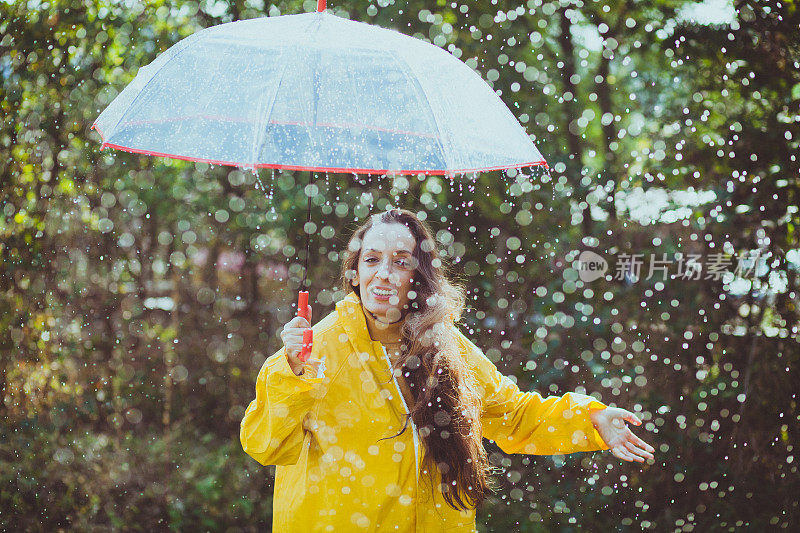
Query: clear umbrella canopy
[316, 92]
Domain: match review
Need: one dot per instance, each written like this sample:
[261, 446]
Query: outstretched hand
[610, 423]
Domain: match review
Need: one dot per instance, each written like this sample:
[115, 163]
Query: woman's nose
[383, 270]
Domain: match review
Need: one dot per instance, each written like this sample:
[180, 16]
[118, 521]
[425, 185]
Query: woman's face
[385, 270]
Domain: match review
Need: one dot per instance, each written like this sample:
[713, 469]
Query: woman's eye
[370, 260]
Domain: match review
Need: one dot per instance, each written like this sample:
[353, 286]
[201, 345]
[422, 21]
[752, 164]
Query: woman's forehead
[383, 236]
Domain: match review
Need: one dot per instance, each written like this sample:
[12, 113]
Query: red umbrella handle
[308, 334]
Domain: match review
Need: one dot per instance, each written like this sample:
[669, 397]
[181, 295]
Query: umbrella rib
[262, 133]
[313, 131]
[290, 50]
[189, 40]
[425, 98]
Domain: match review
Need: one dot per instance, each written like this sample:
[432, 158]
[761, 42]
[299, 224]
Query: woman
[381, 429]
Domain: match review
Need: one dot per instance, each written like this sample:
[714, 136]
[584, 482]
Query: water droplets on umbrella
[268, 194]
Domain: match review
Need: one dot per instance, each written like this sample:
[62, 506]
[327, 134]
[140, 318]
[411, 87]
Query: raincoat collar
[355, 324]
[371, 354]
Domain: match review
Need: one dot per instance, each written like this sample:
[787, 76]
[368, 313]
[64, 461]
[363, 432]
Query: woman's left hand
[610, 423]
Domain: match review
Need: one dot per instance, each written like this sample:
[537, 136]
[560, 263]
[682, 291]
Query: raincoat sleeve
[272, 431]
[524, 422]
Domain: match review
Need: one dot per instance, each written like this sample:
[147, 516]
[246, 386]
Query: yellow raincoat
[324, 428]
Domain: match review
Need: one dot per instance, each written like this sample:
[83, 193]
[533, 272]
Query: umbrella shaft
[308, 234]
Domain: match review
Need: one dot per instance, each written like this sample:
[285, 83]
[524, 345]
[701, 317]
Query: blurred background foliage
[139, 296]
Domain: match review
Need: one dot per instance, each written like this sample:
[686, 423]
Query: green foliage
[139, 296]
[186, 480]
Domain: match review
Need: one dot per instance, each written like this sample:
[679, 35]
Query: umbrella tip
[321, 5]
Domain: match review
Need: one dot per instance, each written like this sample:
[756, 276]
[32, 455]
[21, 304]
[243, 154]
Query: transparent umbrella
[316, 92]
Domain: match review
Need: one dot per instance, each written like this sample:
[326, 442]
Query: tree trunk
[574, 165]
[609, 131]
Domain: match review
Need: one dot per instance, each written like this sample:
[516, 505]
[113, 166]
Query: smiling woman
[382, 427]
[384, 269]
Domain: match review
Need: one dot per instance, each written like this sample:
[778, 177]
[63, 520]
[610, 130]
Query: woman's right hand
[292, 337]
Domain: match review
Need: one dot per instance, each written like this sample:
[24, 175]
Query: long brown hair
[446, 407]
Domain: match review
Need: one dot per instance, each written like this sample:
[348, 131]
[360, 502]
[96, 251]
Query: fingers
[632, 418]
[294, 361]
[624, 454]
[297, 322]
[293, 345]
[637, 451]
[292, 339]
[641, 444]
[632, 448]
[292, 336]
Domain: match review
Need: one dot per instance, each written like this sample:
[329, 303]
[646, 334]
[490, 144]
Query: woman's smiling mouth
[383, 293]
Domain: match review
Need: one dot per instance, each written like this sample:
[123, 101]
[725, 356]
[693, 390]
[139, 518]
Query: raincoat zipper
[413, 426]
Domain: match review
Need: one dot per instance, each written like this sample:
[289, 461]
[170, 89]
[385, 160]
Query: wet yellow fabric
[324, 432]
